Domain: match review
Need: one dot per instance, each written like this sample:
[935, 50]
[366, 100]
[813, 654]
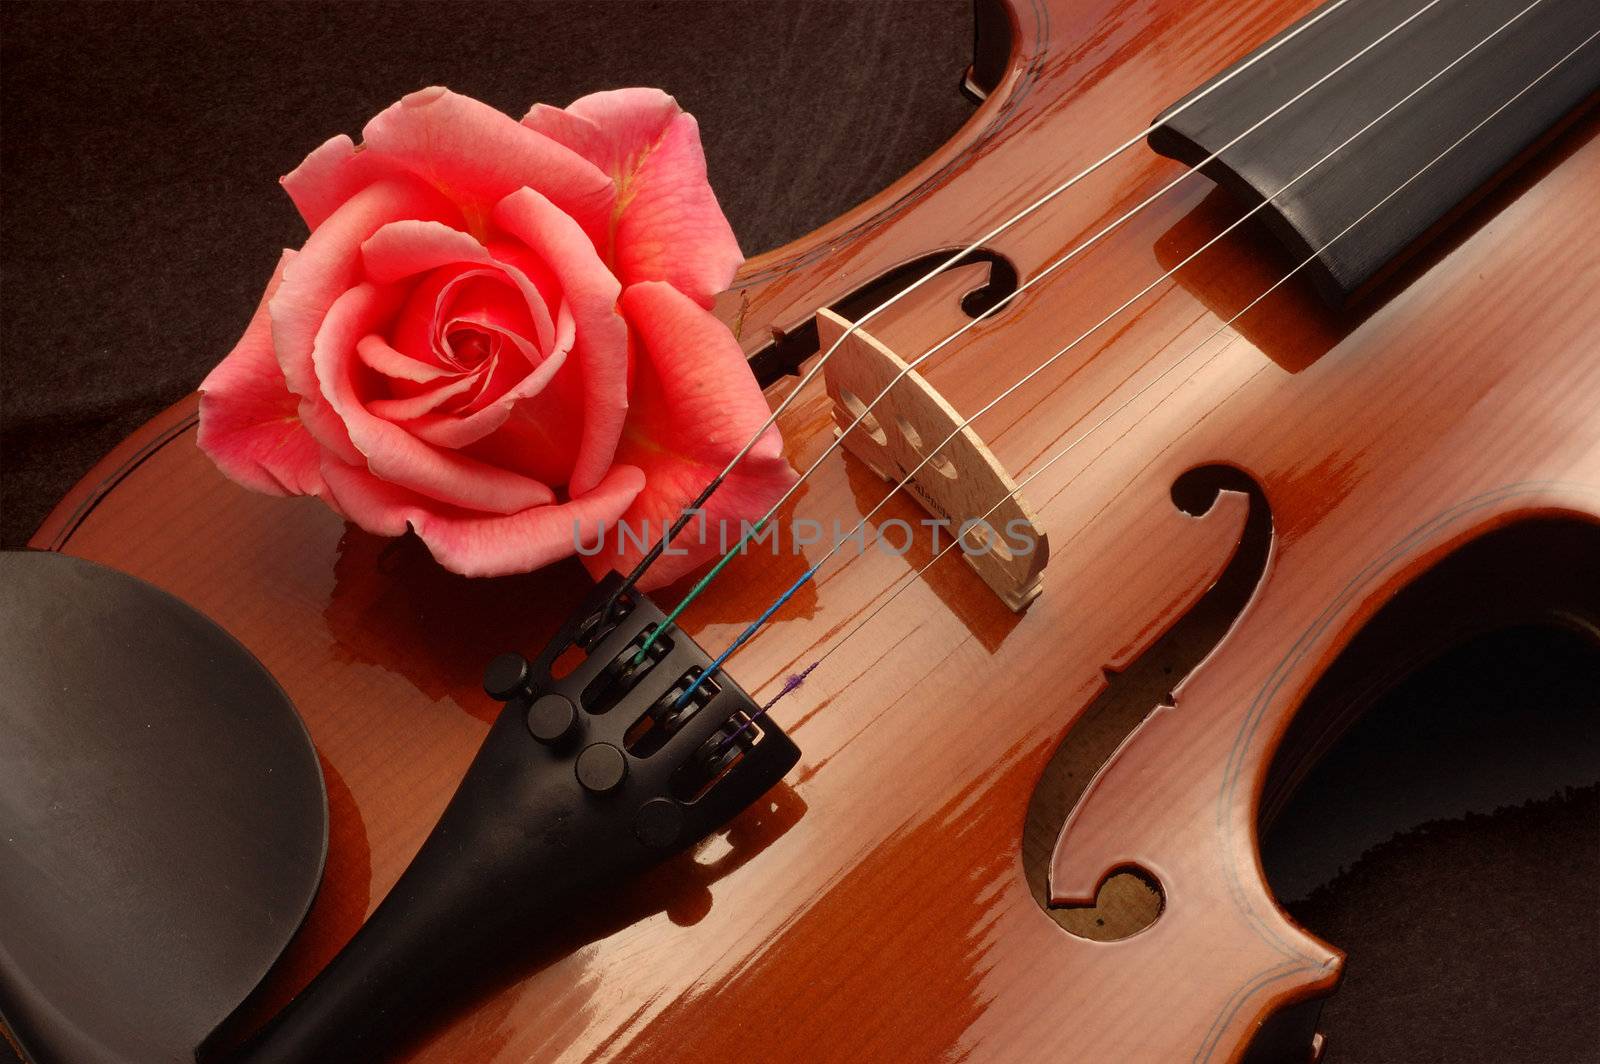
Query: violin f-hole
[791, 346]
[1130, 897]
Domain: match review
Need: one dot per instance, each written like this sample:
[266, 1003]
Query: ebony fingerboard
[1310, 216]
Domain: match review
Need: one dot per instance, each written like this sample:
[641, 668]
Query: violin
[1271, 326]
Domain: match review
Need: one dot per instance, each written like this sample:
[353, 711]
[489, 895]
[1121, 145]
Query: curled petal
[405, 249]
[666, 224]
[391, 452]
[600, 341]
[466, 429]
[332, 174]
[477, 544]
[414, 330]
[698, 405]
[249, 423]
[424, 402]
[386, 360]
[614, 129]
[477, 156]
[328, 265]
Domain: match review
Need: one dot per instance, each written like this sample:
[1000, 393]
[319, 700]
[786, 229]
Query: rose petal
[323, 270]
[477, 156]
[666, 223]
[488, 304]
[248, 421]
[414, 406]
[392, 453]
[391, 363]
[404, 249]
[511, 339]
[412, 332]
[538, 438]
[475, 544]
[698, 403]
[464, 429]
[333, 173]
[600, 343]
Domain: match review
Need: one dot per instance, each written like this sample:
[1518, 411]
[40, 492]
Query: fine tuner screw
[505, 677]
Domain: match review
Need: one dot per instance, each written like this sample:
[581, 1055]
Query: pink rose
[499, 335]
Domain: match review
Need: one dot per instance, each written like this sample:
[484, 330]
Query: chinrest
[162, 814]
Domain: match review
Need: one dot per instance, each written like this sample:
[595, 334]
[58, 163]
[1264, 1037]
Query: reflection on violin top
[394, 607]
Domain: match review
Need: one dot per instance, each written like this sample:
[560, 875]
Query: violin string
[756, 529]
[688, 512]
[934, 450]
[794, 681]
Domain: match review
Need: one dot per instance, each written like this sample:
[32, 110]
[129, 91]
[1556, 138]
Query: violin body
[877, 905]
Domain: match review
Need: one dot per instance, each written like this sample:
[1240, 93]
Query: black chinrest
[163, 822]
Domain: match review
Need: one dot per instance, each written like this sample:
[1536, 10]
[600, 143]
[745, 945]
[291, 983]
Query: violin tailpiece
[960, 485]
[584, 779]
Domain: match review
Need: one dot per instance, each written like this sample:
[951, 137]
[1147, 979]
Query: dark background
[140, 217]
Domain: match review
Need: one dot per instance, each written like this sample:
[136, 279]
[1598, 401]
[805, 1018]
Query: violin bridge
[958, 485]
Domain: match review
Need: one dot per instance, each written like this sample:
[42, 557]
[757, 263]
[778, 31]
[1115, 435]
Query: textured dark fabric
[1450, 845]
[139, 218]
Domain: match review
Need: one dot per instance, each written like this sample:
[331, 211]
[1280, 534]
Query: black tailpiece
[581, 780]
